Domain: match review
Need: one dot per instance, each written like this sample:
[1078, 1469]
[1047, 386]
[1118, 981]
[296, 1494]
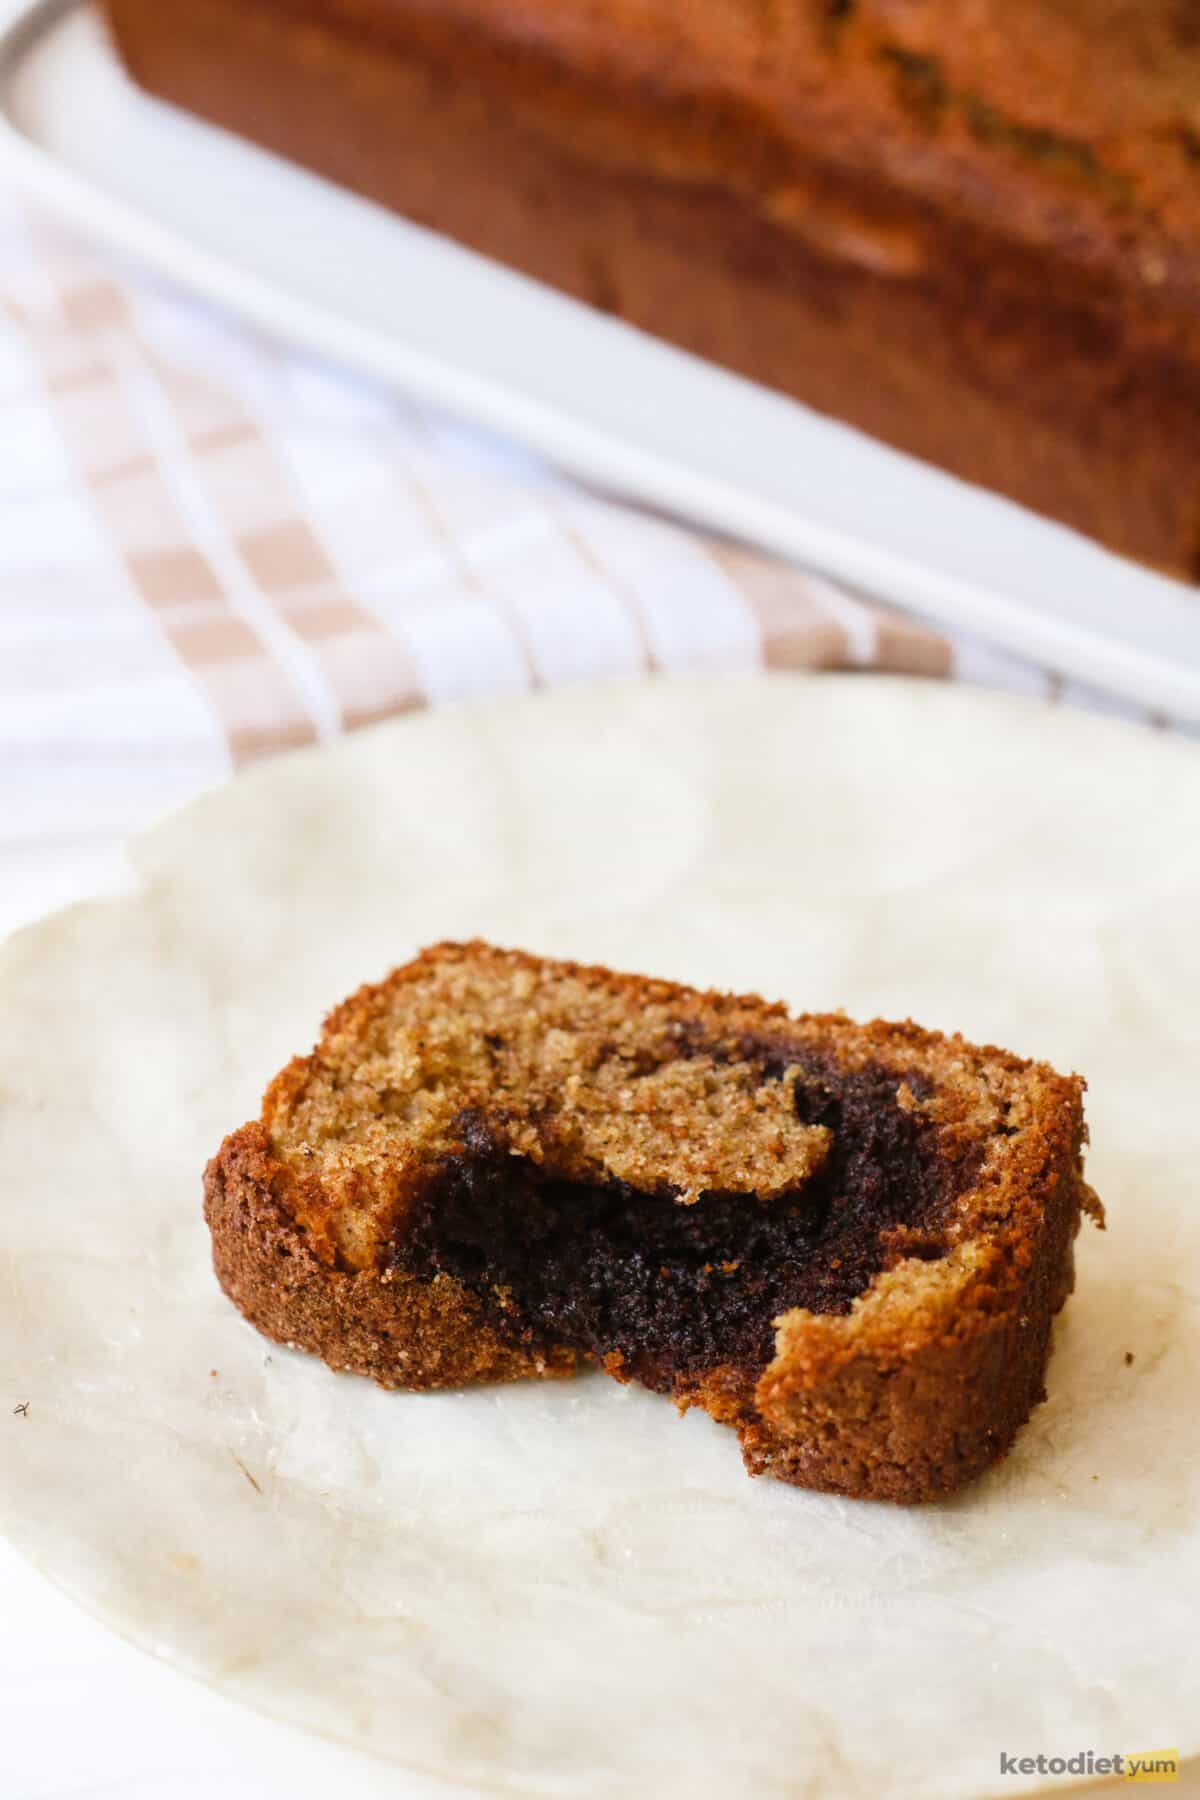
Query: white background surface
[83, 1717]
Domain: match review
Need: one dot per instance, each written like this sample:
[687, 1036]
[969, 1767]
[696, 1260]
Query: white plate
[563, 1590]
[608, 403]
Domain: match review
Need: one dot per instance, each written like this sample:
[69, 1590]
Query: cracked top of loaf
[1072, 122]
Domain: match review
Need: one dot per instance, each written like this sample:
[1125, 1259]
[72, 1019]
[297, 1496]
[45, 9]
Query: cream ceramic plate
[567, 1591]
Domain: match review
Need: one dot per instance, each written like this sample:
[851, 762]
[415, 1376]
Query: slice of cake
[848, 1242]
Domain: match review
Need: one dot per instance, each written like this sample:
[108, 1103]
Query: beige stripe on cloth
[136, 503]
[315, 555]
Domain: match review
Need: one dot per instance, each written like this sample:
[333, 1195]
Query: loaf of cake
[970, 227]
[846, 1242]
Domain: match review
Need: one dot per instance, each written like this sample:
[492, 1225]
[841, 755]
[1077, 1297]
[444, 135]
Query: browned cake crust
[401, 1331]
[493, 1166]
[970, 228]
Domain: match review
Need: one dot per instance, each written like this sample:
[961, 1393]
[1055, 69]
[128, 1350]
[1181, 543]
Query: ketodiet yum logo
[1140, 1765]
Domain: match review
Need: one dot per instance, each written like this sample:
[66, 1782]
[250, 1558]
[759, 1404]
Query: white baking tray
[617, 408]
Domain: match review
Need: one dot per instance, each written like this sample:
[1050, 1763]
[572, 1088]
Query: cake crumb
[245, 1471]
[1128, 1359]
